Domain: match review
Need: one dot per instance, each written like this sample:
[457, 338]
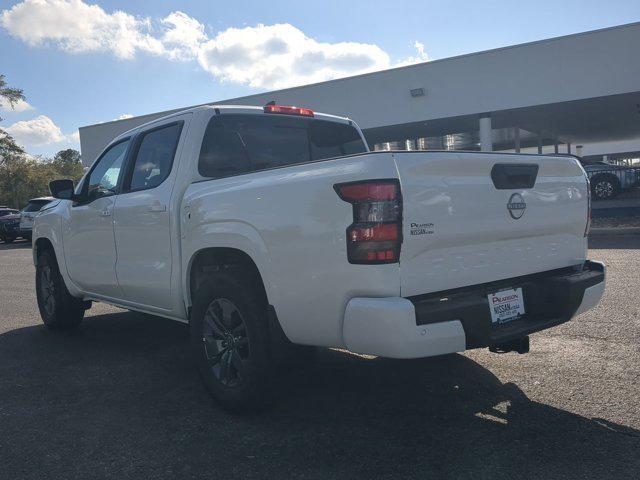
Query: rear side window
[235, 144]
[154, 156]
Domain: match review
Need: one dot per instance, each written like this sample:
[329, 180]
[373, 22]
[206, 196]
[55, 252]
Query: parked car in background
[29, 213]
[10, 227]
[4, 211]
[608, 180]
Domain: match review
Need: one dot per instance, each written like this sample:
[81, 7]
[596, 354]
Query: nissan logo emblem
[516, 206]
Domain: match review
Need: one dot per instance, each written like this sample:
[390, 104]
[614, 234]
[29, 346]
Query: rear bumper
[458, 320]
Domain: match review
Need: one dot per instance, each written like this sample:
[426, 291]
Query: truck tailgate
[470, 219]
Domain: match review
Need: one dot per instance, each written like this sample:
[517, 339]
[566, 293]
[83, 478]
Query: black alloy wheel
[225, 341]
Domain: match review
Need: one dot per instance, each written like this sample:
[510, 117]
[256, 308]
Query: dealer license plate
[506, 305]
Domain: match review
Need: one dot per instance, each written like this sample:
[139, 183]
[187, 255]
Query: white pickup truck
[264, 227]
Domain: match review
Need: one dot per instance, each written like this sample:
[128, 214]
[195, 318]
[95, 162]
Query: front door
[89, 244]
[143, 216]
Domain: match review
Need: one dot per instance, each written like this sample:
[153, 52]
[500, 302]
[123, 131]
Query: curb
[597, 232]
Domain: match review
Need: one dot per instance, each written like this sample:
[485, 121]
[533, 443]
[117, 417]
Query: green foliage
[68, 157]
[11, 95]
[68, 164]
[23, 177]
[8, 147]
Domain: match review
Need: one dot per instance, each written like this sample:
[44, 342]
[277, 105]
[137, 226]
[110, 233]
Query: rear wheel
[59, 310]
[605, 187]
[230, 342]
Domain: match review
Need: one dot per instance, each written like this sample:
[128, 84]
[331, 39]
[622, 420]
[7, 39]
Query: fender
[48, 225]
[228, 234]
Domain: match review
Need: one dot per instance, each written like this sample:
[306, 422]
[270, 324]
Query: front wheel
[59, 310]
[230, 342]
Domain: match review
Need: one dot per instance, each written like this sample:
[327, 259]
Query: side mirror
[62, 189]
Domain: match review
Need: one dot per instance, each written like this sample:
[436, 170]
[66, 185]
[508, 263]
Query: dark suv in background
[608, 180]
[9, 224]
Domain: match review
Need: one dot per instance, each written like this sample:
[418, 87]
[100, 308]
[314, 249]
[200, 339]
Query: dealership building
[574, 94]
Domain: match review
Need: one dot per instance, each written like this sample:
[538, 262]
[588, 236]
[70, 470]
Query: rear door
[143, 215]
[472, 218]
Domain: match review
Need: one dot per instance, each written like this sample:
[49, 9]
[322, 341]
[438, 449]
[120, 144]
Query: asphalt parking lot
[119, 399]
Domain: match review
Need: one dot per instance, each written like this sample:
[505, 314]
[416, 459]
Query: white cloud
[75, 26]
[183, 36]
[124, 116]
[74, 137]
[38, 132]
[421, 56]
[261, 56]
[275, 56]
[19, 106]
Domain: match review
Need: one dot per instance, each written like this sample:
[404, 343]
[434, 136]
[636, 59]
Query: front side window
[154, 158]
[237, 143]
[103, 179]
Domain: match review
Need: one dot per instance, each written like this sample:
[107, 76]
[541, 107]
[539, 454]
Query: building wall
[556, 70]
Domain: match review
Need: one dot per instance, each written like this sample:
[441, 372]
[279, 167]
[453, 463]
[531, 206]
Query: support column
[539, 144]
[486, 144]
[555, 147]
[516, 138]
[569, 148]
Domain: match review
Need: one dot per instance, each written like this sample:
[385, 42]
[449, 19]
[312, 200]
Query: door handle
[157, 207]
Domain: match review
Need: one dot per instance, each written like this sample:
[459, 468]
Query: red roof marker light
[285, 110]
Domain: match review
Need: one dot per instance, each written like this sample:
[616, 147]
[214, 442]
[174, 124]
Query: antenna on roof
[272, 102]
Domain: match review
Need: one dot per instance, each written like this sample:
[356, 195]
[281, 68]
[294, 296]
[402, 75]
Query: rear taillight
[375, 235]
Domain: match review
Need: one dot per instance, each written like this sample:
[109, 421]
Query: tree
[69, 156]
[8, 146]
[11, 95]
[22, 176]
[67, 164]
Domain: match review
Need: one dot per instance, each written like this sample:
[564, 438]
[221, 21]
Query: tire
[8, 239]
[59, 310]
[605, 187]
[230, 343]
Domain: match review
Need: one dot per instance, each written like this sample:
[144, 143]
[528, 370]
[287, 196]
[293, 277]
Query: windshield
[35, 205]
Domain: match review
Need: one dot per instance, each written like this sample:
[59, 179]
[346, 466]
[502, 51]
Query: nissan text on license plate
[506, 305]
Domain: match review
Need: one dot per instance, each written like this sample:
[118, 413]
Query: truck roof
[243, 109]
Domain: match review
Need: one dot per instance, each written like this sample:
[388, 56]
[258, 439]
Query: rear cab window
[242, 143]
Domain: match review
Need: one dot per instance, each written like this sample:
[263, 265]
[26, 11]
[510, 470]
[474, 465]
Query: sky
[82, 62]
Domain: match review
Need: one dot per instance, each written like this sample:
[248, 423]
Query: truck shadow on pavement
[119, 398]
[616, 242]
[17, 245]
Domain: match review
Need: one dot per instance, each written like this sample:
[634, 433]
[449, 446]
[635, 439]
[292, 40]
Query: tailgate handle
[507, 176]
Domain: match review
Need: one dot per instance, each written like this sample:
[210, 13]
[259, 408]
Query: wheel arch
[212, 259]
[607, 175]
[40, 245]
[43, 243]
